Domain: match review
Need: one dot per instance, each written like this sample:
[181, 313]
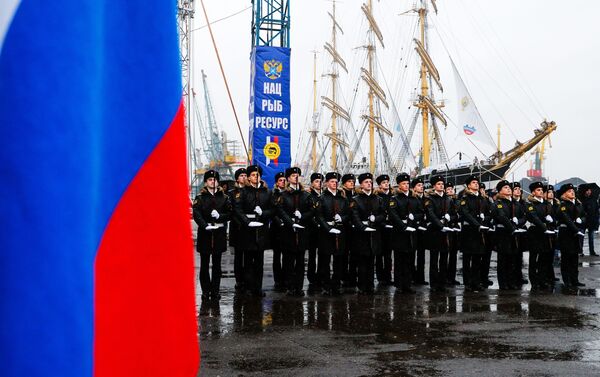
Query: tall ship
[360, 127]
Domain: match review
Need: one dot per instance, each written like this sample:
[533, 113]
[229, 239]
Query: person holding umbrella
[589, 199]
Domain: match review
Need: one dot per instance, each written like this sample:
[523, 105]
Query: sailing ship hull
[486, 173]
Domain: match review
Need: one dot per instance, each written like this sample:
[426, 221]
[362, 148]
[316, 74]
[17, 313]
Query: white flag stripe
[8, 9]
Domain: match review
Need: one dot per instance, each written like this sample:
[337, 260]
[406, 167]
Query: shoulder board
[352, 204]
[195, 200]
[462, 202]
[237, 194]
[563, 208]
[500, 206]
[279, 199]
[392, 203]
[427, 203]
[316, 204]
[530, 208]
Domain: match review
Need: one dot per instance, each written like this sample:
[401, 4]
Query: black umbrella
[591, 186]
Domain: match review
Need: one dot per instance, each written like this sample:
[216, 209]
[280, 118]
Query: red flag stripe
[144, 272]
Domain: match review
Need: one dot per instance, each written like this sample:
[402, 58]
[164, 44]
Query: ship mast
[337, 111]
[425, 101]
[314, 131]
[424, 93]
[375, 91]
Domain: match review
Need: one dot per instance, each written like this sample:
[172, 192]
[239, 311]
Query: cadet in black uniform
[253, 207]
[550, 196]
[453, 237]
[417, 209]
[235, 229]
[350, 263]
[403, 235]
[539, 214]
[276, 231]
[383, 262]
[592, 215]
[212, 209]
[472, 238]
[438, 211]
[488, 237]
[520, 218]
[316, 180]
[502, 214]
[333, 213]
[570, 235]
[368, 215]
[296, 210]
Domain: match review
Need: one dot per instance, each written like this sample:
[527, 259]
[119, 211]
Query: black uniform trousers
[210, 282]
[253, 270]
[472, 269]
[452, 258]
[487, 258]
[312, 269]
[438, 260]
[331, 280]
[366, 273]
[569, 263]
[293, 266]
[238, 266]
[404, 261]
[350, 261]
[383, 262]
[278, 275]
[419, 275]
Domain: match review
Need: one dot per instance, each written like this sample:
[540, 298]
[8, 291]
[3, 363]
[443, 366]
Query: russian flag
[96, 256]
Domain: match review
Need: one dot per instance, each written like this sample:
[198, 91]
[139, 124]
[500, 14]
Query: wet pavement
[492, 333]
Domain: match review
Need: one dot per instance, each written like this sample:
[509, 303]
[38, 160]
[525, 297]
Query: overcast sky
[522, 60]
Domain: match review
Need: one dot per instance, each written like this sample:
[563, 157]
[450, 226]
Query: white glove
[456, 229]
[334, 231]
[482, 227]
[515, 220]
[211, 227]
[519, 231]
[337, 218]
[549, 218]
[258, 210]
[389, 226]
[422, 228]
[411, 216]
[549, 232]
[446, 229]
[297, 214]
[215, 214]
[447, 217]
[410, 229]
[368, 229]
[255, 224]
[578, 220]
[481, 216]
[580, 234]
[297, 226]
[372, 218]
